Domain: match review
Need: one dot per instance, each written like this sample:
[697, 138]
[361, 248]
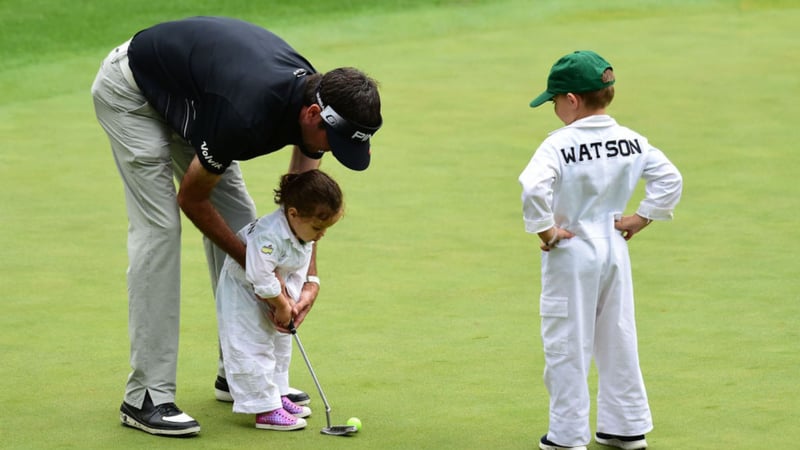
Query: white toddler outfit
[257, 355]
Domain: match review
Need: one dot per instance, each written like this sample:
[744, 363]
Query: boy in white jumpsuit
[574, 191]
[256, 304]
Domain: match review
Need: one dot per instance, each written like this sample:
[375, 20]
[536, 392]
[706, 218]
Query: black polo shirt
[233, 90]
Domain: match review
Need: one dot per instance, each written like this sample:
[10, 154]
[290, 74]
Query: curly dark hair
[313, 193]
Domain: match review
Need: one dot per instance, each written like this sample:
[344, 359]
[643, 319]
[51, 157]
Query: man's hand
[303, 306]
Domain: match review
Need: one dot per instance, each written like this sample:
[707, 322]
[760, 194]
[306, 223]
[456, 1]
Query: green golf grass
[427, 324]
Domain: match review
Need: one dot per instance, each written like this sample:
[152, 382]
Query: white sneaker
[298, 397]
[546, 444]
[623, 442]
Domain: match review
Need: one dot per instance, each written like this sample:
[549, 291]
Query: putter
[332, 430]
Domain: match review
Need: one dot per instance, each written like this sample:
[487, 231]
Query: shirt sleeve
[262, 259]
[537, 182]
[663, 187]
[219, 134]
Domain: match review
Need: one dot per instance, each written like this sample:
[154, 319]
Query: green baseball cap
[578, 72]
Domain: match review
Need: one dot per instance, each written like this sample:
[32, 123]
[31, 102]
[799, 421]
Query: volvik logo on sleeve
[208, 157]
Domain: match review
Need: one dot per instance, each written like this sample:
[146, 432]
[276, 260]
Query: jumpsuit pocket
[555, 327]
[553, 307]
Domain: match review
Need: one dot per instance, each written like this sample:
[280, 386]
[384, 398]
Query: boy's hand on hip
[552, 237]
[630, 225]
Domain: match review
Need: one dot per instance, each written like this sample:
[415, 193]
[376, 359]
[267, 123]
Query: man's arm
[301, 163]
[308, 295]
[194, 197]
[309, 292]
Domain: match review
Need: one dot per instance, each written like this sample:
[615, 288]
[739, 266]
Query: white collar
[593, 121]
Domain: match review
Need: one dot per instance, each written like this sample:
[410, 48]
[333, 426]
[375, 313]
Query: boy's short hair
[601, 98]
[579, 72]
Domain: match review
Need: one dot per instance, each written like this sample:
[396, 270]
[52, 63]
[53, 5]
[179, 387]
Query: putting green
[427, 325]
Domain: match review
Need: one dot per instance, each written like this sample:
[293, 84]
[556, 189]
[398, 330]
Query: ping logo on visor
[344, 127]
[348, 140]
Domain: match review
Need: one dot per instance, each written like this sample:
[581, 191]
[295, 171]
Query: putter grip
[292, 329]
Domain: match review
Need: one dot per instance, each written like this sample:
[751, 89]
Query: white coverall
[257, 356]
[579, 179]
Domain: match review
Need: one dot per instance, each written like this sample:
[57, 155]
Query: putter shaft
[313, 375]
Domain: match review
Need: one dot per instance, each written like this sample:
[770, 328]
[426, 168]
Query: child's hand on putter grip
[281, 316]
[281, 310]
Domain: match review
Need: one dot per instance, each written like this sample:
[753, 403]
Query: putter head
[339, 430]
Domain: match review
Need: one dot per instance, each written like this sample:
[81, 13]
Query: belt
[599, 228]
[124, 66]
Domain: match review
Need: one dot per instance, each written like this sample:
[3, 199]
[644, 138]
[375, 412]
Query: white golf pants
[148, 155]
[587, 310]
